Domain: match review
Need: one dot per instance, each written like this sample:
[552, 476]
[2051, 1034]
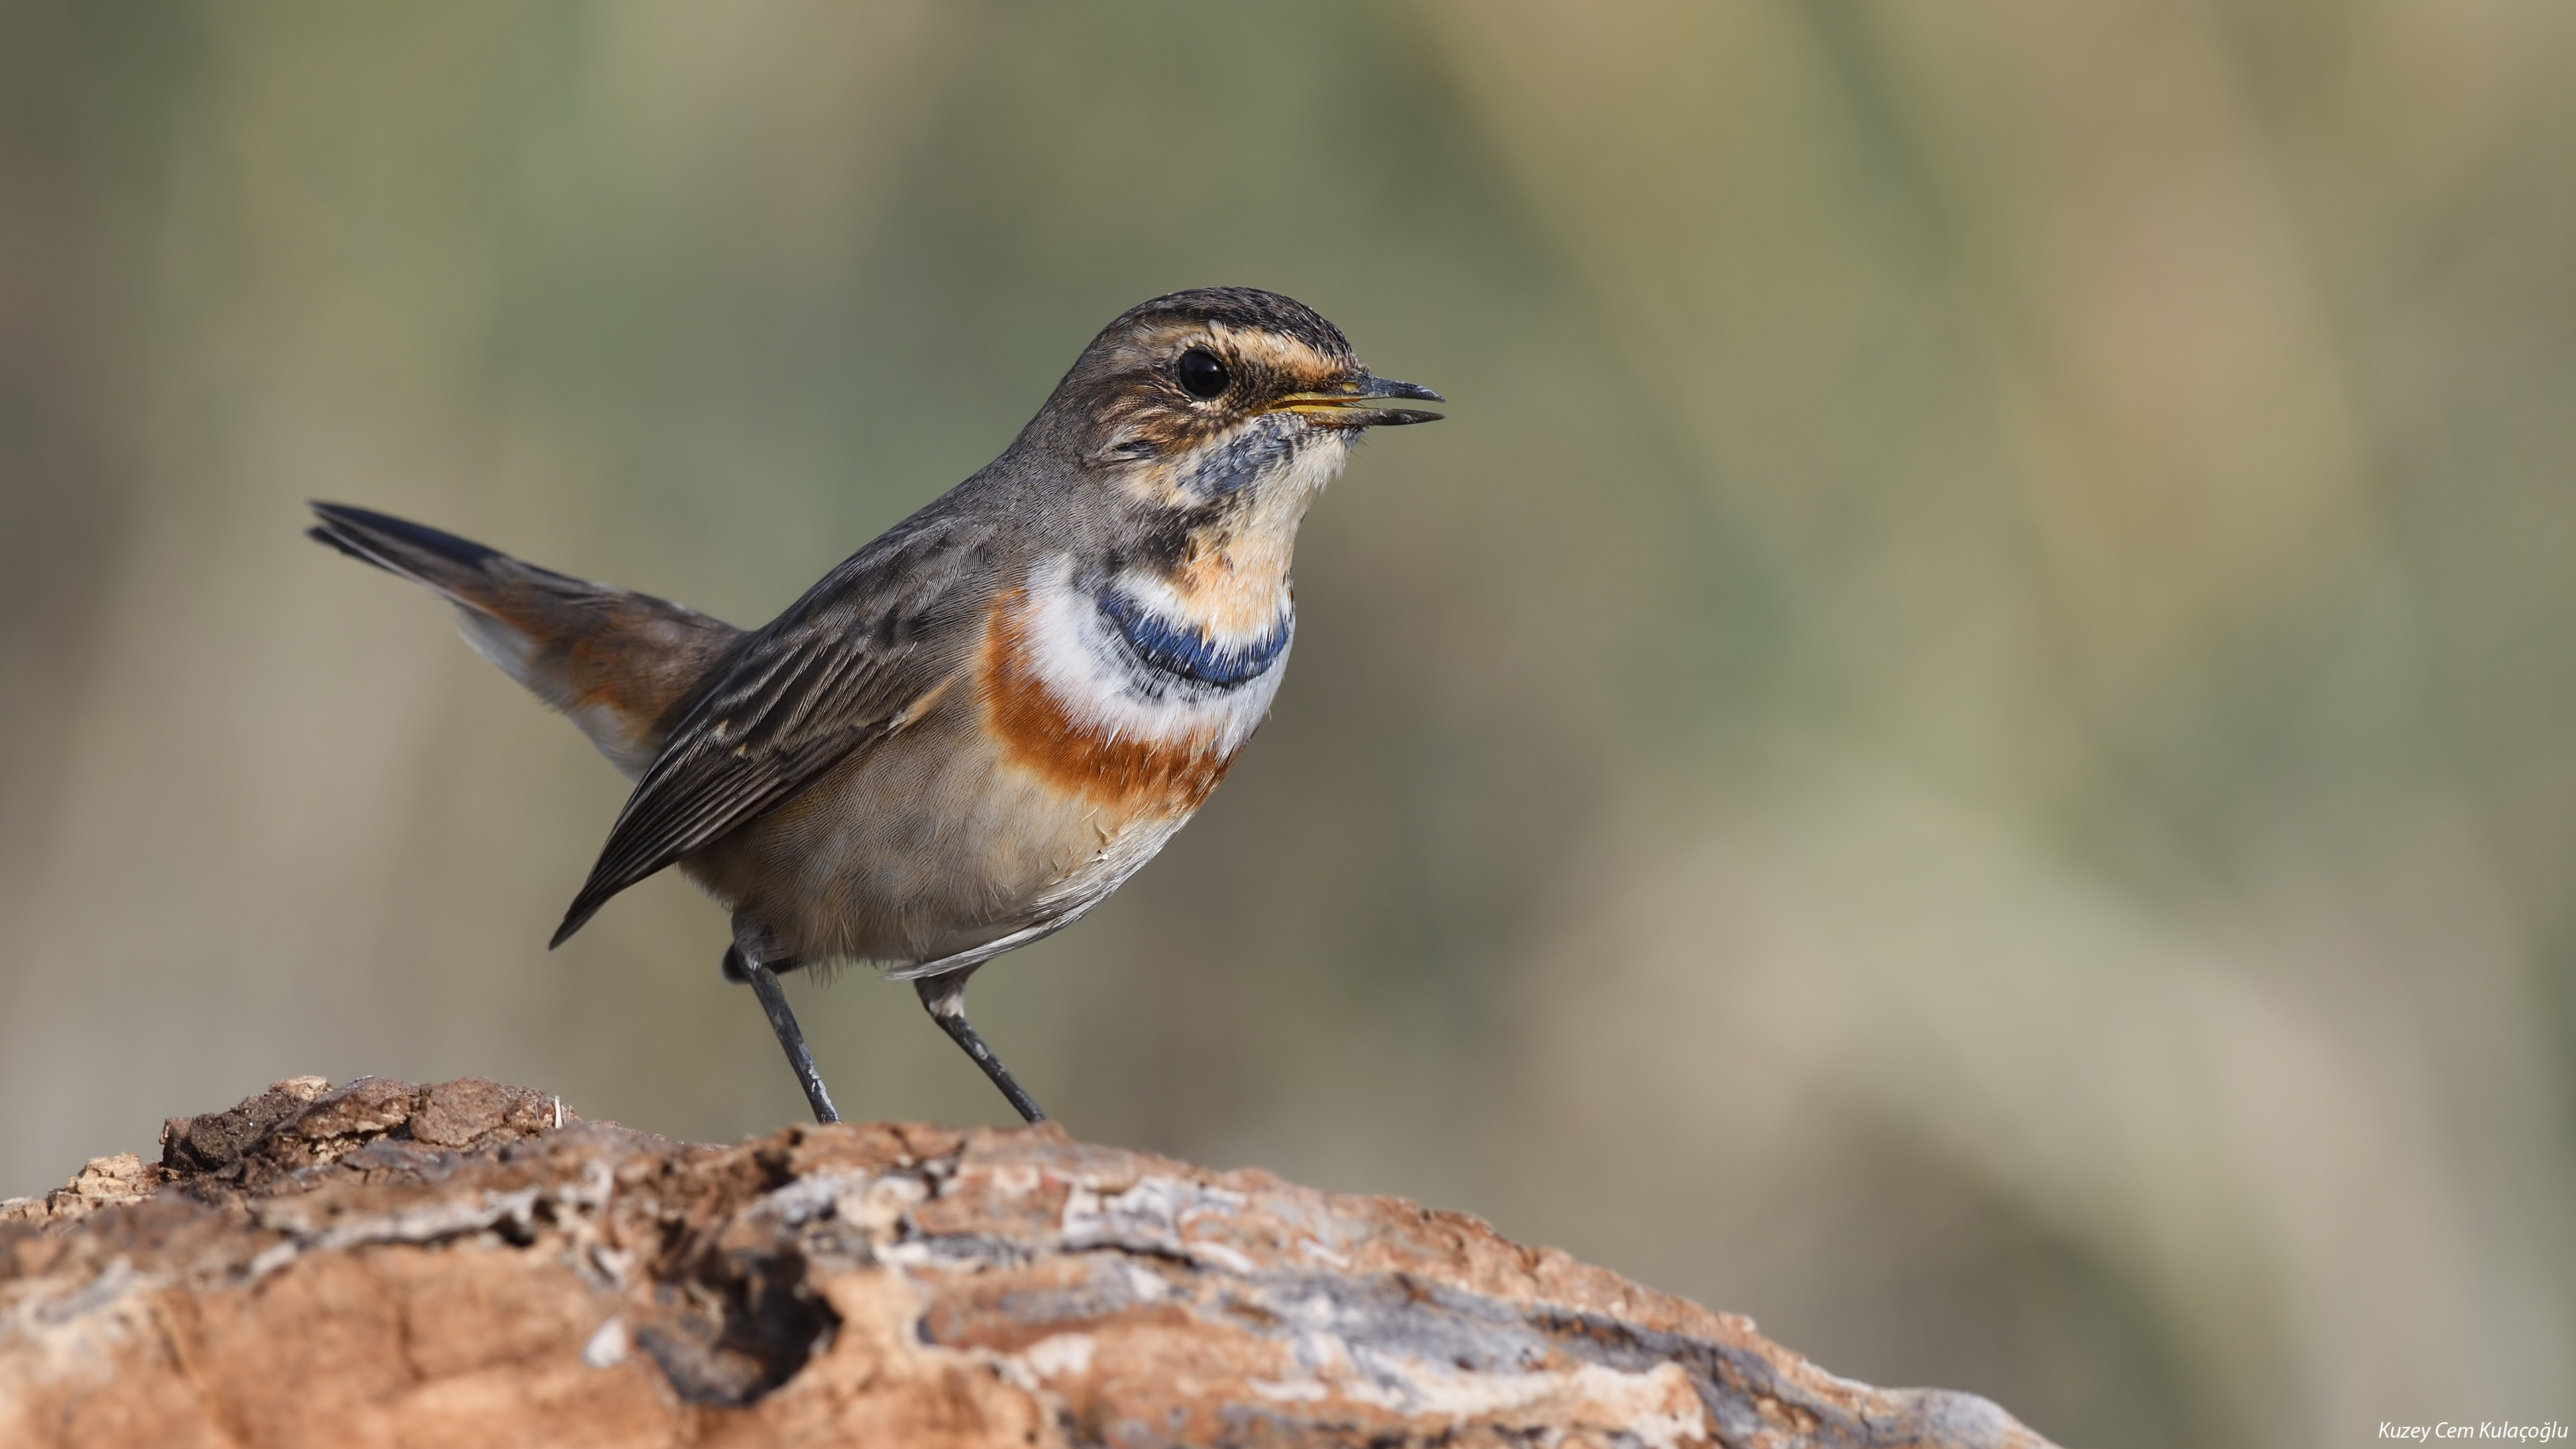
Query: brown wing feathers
[831, 674]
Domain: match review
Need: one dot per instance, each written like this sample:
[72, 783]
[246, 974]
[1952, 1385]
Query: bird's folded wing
[834, 673]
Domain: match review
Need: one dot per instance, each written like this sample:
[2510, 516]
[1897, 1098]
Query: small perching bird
[974, 729]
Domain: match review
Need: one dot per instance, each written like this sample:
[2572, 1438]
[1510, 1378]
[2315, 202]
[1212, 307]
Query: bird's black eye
[1202, 376]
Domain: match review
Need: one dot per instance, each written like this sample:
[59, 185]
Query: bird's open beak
[1353, 404]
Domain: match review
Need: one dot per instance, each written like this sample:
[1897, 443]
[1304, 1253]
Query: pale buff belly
[925, 845]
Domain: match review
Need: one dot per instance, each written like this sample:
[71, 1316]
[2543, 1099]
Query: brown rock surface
[389, 1264]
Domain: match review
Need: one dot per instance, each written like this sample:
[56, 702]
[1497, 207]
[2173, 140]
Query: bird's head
[1221, 401]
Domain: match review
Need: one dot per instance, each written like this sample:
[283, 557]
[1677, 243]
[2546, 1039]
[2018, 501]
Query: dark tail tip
[322, 533]
[367, 532]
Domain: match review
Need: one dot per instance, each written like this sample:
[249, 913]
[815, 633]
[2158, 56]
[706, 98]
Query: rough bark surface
[390, 1264]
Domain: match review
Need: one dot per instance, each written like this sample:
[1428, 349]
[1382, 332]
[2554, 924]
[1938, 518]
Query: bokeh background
[1965, 743]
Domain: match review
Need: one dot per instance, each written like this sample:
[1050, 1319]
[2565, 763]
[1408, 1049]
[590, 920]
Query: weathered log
[468, 1263]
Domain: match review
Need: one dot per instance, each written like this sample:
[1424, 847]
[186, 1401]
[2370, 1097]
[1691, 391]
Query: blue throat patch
[1186, 652]
[1243, 460]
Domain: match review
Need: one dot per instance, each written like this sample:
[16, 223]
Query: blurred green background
[1966, 742]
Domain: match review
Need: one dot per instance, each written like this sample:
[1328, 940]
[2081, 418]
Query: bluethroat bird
[978, 726]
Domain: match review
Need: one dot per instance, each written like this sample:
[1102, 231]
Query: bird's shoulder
[890, 619]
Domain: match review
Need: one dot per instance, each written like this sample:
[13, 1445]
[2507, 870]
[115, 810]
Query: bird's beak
[1353, 404]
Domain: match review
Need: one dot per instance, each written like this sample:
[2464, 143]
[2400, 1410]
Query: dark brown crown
[1245, 308]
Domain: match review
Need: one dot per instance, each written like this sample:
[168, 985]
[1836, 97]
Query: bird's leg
[946, 998]
[743, 965]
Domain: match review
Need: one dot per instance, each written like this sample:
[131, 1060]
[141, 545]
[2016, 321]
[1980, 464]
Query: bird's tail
[623, 665]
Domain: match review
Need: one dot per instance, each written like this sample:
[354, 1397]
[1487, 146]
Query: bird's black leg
[946, 998]
[744, 966]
